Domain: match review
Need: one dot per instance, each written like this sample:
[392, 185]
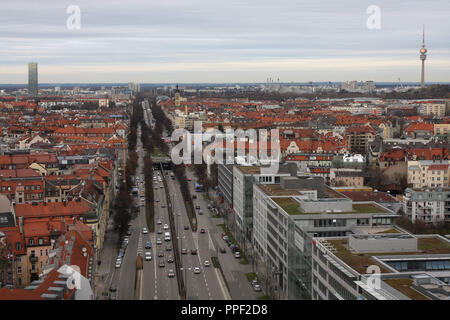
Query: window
[31, 242]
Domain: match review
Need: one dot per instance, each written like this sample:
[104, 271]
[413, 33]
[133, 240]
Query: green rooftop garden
[289, 205]
[405, 287]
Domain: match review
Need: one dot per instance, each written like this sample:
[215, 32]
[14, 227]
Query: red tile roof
[52, 209]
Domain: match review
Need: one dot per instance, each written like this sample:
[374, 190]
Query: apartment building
[22, 185]
[436, 110]
[316, 163]
[427, 205]
[406, 267]
[428, 173]
[358, 138]
[442, 129]
[287, 216]
[346, 177]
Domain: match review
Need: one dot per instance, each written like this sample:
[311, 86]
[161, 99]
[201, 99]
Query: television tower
[423, 57]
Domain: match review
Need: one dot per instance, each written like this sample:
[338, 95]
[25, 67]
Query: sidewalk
[107, 257]
[234, 272]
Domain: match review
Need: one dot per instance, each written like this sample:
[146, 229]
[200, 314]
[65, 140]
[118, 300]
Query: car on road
[222, 250]
[144, 230]
[121, 253]
[193, 251]
[157, 200]
[148, 256]
[161, 263]
[113, 288]
[170, 259]
[168, 248]
[196, 270]
[128, 232]
[202, 231]
[166, 226]
[158, 221]
[148, 245]
[257, 287]
[184, 251]
[186, 227]
[237, 254]
[161, 187]
[194, 196]
[171, 274]
[206, 263]
[200, 212]
[158, 241]
[118, 263]
[197, 207]
[163, 205]
[161, 254]
[160, 231]
[113, 296]
[225, 238]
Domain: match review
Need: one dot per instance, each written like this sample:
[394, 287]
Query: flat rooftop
[404, 286]
[292, 207]
[360, 261]
[376, 230]
[277, 190]
[330, 193]
[250, 169]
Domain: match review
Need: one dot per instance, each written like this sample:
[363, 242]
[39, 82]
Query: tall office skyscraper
[33, 79]
[423, 56]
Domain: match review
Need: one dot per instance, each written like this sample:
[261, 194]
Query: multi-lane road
[155, 283]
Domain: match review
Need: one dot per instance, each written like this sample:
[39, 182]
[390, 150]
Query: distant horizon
[220, 83]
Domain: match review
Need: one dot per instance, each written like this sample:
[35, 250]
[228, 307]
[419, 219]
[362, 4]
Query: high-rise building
[423, 57]
[33, 79]
[135, 87]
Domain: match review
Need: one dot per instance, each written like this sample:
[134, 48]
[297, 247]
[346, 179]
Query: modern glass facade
[33, 79]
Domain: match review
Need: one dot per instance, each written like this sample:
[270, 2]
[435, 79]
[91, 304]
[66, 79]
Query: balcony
[33, 259]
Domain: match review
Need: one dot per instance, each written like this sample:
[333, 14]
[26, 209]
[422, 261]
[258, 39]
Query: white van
[166, 236]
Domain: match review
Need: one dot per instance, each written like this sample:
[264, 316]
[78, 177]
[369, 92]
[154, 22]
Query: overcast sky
[223, 41]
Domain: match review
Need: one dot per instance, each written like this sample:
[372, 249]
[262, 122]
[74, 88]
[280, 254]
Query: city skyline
[233, 42]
